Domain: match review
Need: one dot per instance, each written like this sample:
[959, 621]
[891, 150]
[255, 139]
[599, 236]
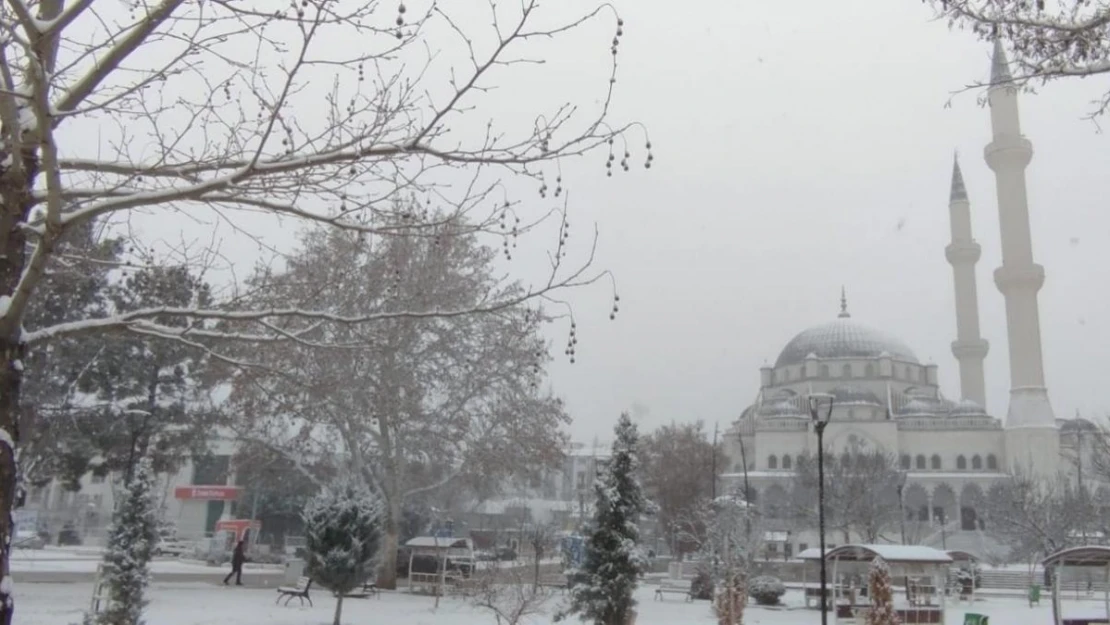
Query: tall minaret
[963, 252]
[1032, 440]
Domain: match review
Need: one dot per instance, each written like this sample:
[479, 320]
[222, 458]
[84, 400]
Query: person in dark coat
[238, 557]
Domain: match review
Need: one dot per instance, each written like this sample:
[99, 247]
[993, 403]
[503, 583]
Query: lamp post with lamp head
[901, 486]
[820, 411]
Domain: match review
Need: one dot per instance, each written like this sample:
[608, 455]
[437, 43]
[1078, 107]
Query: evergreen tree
[613, 562]
[343, 534]
[130, 545]
[882, 595]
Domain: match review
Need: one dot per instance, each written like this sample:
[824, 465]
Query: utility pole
[713, 487]
[1079, 471]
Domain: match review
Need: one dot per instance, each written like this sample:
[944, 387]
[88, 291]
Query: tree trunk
[338, 608]
[387, 570]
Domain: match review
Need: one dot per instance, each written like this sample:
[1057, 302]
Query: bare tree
[409, 405]
[678, 476]
[541, 538]
[513, 602]
[861, 492]
[1034, 517]
[1047, 40]
[320, 111]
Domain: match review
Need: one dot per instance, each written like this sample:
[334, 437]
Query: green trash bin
[975, 619]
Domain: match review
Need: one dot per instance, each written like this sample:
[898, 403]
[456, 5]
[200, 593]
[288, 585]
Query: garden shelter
[920, 572]
[1079, 565]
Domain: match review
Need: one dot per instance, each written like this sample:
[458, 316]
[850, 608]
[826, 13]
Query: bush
[766, 590]
[701, 587]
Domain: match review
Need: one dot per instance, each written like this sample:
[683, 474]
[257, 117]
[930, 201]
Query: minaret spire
[969, 348]
[1019, 279]
[843, 305]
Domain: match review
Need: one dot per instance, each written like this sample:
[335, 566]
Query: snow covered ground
[207, 604]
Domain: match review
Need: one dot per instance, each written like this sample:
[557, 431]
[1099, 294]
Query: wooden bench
[558, 582]
[300, 591]
[673, 589]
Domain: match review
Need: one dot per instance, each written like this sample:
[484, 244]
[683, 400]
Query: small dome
[921, 406]
[780, 409]
[843, 338]
[854, 395]
[967, 408]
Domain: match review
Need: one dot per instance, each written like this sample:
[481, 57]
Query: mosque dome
[843, 338]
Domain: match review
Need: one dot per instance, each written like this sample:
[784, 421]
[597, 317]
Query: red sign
[209, 493]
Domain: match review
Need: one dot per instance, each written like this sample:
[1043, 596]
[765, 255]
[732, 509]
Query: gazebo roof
[431, 542]
[890, 553]
[1089, 555]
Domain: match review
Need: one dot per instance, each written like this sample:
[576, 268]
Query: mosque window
[961, 463]
[977, 462]
[786, 461]
[936, 462]
[920, 461]
[992, 462]
[824, 371]
[906, 461]
[898, 374]
[847, 371]
[772, 462]
[869, 370]
[851, 414]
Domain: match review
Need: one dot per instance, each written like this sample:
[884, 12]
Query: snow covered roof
[890, 553]
[426, 542]
[1089, 555]
[843, 338]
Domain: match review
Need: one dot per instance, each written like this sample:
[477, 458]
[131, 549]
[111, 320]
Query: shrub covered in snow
[882, 595]
[766, 590]
[701, 587]
[343, 533]
[130, 547]
[613, 563]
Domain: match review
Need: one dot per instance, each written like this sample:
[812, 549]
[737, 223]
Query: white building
[884, 396]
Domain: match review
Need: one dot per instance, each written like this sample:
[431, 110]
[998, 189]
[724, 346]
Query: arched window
[906, 461]
[920, 461]
[846, 371]
[961, 463]
[824, 371]
[976, 463]
[915, 373]
[869, 370]
[936, 462]
[992, 462]
[772, 462]
[786, 461]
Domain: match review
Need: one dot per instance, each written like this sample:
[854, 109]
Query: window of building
[802, 547]
[992, 462]
[976, 462]
[824, 371]
[914, 374]
[851, 413]
[898, 375]
[869, 370]
[906, 461]
[787, 462]
[920, 461]
[97, 479]
[846, 371]
[936, 462]
[961, 463]
[772, 462]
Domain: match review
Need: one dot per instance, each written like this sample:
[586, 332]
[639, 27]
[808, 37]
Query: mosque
[950, 451]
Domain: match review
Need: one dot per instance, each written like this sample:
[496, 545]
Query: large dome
[843, 338]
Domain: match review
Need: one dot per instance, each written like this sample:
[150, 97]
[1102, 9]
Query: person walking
[238, 557]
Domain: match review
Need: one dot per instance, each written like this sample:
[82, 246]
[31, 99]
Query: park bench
[553, 581]
[674, 588]
[300, 591]
[369, 589]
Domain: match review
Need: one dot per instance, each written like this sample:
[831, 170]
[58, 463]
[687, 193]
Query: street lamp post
[902, 503]
[820, 410]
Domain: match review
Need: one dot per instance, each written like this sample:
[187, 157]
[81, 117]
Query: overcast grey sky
[805, 145]
[799, 147]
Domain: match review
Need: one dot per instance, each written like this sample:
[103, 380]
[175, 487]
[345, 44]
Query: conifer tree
[882, 595]
[130, 546]
[343, 533]
[613, 562]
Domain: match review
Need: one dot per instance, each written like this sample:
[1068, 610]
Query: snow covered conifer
[882, 595]
[343, 534]
[130, 546]
[613, 563]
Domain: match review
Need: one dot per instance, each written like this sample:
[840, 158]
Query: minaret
[963, 253]
[1032, 440]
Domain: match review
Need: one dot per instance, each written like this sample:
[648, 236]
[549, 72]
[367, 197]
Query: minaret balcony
[963, 252]
[974, 349]
[1028, 278]
[1008, 152]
